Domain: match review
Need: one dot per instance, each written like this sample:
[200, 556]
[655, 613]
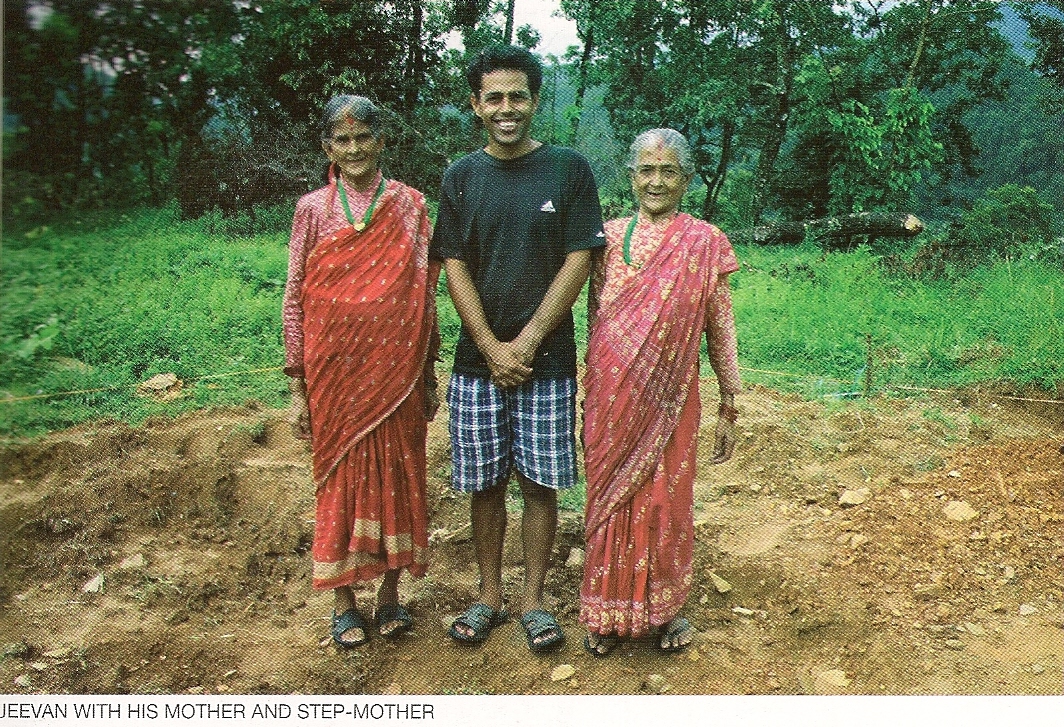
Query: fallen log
[830, 232]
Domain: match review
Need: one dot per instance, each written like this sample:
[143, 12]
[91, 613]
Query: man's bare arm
[506, 366]
[556, 304]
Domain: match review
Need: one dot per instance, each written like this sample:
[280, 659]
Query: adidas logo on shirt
[548, 206]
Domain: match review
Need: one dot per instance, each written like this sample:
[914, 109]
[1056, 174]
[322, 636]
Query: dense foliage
[797, 109]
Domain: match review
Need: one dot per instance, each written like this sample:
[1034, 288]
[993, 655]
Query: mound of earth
[881, 547]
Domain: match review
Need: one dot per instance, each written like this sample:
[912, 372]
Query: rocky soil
[882, 547]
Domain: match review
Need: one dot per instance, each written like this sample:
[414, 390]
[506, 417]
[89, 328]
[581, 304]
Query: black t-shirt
[512, 222]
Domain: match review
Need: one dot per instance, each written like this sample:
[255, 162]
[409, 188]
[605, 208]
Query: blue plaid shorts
[530, 427]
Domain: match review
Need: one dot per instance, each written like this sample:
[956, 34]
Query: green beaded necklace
[627, 249]
[361, 224]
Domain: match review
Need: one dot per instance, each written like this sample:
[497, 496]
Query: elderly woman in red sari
[660, 283]
[360, 340]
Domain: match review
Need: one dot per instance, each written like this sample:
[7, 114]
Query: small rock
[165, 386]
[573, 683]
[562, 672]
[94, 585]
[575, 560]
[1027, 609]
[719, 583]
[58, 653]
[134, 561]
[944, 610]
[17, 649]
[955, 644]
[953, 473]
[392, 689]
[858, 540]
[832, 681]
[194, 690]
[928, 591]
[974, 629]
[849, 498]
[693, 655]
[657, 684]
[755, 487]
[704, 598]
[179, 616]
[844, 539]
[1037, 668]
[742, 611]
[842, 446]
[447, 620]
[905, 493]
[1009, 573]
[23, 680]
[959, 511]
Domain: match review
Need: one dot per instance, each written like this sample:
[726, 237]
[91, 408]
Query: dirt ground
[173, 558]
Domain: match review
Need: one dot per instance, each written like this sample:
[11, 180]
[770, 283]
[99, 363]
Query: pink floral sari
[641, 420]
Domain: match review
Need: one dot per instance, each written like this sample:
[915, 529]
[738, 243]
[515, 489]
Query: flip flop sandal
[538, 622]
[480, 618]
[676, 628]
[603, 648]
[349, 619]
[392, 613]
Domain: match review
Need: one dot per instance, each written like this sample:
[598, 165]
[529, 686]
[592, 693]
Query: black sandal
[538, 622]
[677, 627]
[392, 613]
[603, 648]
[349, 619]
[480, 618]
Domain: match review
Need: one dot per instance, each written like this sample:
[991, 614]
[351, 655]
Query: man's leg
[538, 526]
[488, 512]
[488, 515]
[480, 451]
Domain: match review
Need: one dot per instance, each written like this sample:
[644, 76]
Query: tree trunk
[510, 21]
[585, 64]
[415, 61]
[715, 184]
[831, 232]
[770, 150]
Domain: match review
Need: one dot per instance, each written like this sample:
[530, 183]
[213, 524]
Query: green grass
[799, 311]
[105, 303]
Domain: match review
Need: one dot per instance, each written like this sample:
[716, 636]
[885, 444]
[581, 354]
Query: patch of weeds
[153, 589]
[934, 462]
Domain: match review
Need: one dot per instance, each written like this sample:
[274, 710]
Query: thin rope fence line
[133, 386]
[741, 368]
[903, 388]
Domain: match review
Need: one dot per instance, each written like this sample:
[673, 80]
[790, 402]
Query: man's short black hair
[505, 57]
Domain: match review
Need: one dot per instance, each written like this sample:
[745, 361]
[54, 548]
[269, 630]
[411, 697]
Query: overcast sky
[556, 33]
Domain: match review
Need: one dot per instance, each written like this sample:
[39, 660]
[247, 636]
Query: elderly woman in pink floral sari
[661, 282]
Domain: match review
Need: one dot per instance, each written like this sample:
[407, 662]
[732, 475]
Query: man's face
[506, 107]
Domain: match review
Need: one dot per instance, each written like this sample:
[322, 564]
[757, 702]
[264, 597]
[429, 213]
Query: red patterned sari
[368, 329]
[641, 419]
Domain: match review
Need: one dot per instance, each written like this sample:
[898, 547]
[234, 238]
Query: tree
[1045, 24]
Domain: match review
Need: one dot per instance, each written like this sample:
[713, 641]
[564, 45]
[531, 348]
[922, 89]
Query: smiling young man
[517, 222]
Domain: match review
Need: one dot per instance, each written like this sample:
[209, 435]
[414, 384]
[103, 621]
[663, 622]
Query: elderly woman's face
[658, 181]
[354, 149]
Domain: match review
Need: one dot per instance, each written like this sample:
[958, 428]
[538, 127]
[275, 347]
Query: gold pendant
[359, 226]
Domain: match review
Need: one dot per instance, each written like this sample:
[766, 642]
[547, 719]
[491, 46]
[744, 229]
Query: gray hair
[670, 139]
[347, 106]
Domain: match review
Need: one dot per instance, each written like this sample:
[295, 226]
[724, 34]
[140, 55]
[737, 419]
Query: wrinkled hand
[510, 364]
[299, 414]
[432, 402]
[723, 441]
